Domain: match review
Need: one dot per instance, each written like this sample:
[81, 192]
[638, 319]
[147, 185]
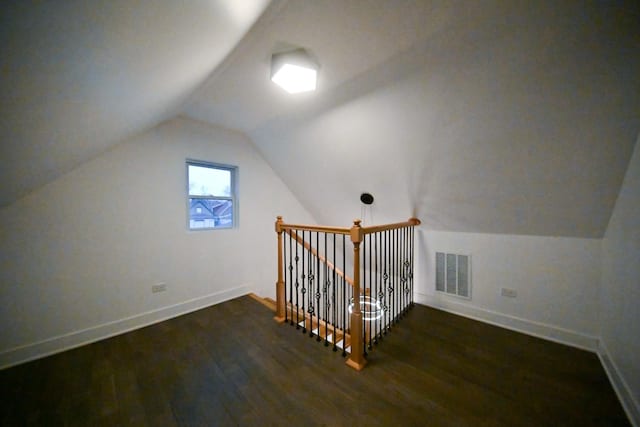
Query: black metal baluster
[344, 296]
[351, 300]
[372, 295]
[391, 295]
[407, 265]
[314, 291]
[325, 290]
[391, 282]
[394, 273]
[375, 290]
[407, 270]
[380, 294]
[398, 274]
[310, 277]
[385, 284]
[319, 283]
[286, 282]
[381, 291]
[304, 289]
[333, 287]
[290, 277]
[363, 292]
[413, 260]
[402, 272]
[405, 231]
[297, 259]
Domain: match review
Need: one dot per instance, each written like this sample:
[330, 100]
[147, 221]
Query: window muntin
[211, 195]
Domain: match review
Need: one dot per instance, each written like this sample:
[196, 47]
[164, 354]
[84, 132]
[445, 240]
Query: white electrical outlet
[158, 287]
[508, 292]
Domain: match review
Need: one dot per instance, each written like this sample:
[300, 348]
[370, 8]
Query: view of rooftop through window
[211, 195]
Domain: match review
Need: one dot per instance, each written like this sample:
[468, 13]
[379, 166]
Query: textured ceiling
[511, 117]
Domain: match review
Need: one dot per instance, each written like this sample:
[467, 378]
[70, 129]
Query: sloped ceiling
[502, 117]
[498, 117]
[78, 76]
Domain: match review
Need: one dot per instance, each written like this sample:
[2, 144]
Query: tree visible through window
[211, 195]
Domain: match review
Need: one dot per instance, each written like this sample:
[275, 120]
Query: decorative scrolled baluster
[398, 273]
[403, 276]
[303, 290]
[374, 290]
[386, 288]
[311, 294]
[318, 282]
[334, 303]
[408, 270]
[397, 291]
[325, 296]
[297, 259]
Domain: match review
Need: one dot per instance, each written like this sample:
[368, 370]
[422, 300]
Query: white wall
[556, 279]
[78, 257]
[619, 308]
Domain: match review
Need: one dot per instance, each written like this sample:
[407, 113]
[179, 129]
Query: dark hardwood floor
[231, 364]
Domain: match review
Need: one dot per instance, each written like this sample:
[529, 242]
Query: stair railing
[315, 295]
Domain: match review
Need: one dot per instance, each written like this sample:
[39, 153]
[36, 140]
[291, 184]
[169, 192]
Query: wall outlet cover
[159, 287]
[508, 292]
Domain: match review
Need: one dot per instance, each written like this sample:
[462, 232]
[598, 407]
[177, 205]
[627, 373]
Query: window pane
[209, 181]
[208, 213]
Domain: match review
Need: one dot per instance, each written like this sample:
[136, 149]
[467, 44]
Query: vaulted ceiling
[502, 117]
[80, 76]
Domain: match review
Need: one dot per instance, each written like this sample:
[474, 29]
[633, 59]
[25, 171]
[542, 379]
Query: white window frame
[233, 198]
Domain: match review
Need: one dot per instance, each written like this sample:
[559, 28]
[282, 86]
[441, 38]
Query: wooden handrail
[315, 253]
[321, 228]
[347, 230]
[377, 228]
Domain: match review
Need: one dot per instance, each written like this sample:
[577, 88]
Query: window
[211, 195]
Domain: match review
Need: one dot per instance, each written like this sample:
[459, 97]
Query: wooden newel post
[356, 359]
[280, 295]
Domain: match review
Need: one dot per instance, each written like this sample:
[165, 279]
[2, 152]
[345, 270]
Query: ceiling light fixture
[294, 71]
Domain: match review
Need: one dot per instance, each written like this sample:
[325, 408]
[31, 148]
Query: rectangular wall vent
[453, 274]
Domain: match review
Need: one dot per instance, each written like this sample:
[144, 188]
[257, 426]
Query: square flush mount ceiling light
[294, 71]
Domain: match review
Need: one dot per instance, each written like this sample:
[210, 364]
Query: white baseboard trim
[37, 350]
[629, 403]
[529, 327]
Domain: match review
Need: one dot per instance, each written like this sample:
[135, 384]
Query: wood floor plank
[231, 364]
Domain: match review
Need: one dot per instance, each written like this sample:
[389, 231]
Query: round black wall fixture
[366, 198]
